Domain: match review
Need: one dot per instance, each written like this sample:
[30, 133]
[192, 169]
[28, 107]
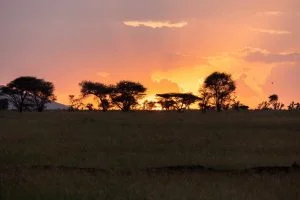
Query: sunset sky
[168, 45]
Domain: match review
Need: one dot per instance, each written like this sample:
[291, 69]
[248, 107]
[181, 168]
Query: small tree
[220, 86]
[75, 103]
[125, 95]
[99, 90]
[274, 101]
[237, 105]
[265, 105]
[90, 107]
[294, 106]
[204, 100]
[167, 104]
[178, 101]
[149, 105]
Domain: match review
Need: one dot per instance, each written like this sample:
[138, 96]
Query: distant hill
[49, 106]
[56, 106]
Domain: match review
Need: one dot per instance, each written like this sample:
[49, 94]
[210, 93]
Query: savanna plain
[150, 155]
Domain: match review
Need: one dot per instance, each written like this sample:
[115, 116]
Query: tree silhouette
[99, 90]
[75, 103]
[4, 104]
[166, 104]
[220, 86]
[149, 105]
[294, 106]
[265, 105]
[273, 98]
[27, 93]
[90, 107]
[42, 94]
[177, 101]
[274, 101]
[204, 100]
[237, 105]
[17, 92]
[125, 95]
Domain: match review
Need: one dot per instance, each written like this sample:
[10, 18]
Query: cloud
[270, 13]
[103, 74]
[243, 89]
[261, 55]
[284, 81]
[270, 31]
[156, 24]
[163, 86]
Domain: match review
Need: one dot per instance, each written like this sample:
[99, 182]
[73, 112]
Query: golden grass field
[93, 155]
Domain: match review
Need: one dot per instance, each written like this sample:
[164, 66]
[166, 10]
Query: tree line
[217, 93]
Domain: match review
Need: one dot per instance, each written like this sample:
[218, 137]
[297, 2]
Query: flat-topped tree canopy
[29, 93]
[126, 94]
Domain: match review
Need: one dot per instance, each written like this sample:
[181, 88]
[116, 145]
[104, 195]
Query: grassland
[90, 155]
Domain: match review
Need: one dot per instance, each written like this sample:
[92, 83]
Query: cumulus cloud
[163, 86]
[270, 31]
[156, 24]
[261, 55]
[243, 89]
[284, 81]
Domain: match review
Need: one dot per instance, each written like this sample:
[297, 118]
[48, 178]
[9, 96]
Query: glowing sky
[168, 45]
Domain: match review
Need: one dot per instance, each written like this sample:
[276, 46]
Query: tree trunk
[219, 107]
[20, 109]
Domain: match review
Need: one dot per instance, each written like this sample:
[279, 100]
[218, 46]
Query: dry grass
[134, 141]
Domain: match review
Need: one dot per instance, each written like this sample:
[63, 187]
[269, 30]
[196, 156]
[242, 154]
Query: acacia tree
[220, 86]
[17, 92]
[178, 101]
[42, 93]
[27, 93]
[125, 95]
[98, 90]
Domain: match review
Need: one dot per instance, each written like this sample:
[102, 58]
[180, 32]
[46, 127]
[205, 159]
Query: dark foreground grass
[132, 142]
[68, 185]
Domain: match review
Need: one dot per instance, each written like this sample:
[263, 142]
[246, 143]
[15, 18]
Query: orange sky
[168, 45]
